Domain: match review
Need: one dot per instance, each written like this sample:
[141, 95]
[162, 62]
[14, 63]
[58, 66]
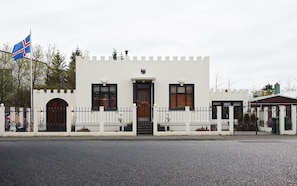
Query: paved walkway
[239, 135]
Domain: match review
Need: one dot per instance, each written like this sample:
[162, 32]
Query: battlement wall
[53, 91]
[228, 94]
[229, 91]
[150, 58]
[43, 96]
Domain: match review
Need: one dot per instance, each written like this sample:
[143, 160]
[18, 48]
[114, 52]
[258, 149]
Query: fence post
[35, 121]
[273, 110]
[134, 119]
[231, 119]
[293, 118]
[2, 119]
[21, 116]
[265, 117]
[12, 124]
[28, 119]
[281, 119]
[187, 118]
[155, 120]
[219, 119]
[101, 119]
[68, 120]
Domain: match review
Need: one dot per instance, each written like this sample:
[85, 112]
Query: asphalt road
[148, 162]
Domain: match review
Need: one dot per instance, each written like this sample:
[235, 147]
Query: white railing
[84, 121]
[191, 122]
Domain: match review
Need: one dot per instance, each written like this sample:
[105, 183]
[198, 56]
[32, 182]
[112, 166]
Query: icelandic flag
[22, 48]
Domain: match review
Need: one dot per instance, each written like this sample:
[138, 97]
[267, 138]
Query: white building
[178, 85]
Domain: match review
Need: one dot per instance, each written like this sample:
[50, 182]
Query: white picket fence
[85, 122]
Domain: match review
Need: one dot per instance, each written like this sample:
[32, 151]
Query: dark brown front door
[143, 101]
[56, 115]
[143, 104]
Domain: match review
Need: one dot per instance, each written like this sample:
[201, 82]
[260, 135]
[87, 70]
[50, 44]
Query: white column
[219, 119]
[293, 118]
[134, 120]
[231, 119]
[35, 121]
[21, 116]
[265, 116]
[101, 119]
[282, 119]
[273, 110]
[12, 119]
[258, 116]
[187, 118]
[155, 119]
[2, 119]
[28, 119]
[68, 120]
[252, 110]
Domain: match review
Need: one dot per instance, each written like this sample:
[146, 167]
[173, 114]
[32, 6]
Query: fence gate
[56, 115]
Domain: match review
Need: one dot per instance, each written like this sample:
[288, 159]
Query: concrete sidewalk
[239, 135]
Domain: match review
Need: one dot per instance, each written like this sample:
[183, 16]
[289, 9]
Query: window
[181, 96]
[238, 108]
[104, 96]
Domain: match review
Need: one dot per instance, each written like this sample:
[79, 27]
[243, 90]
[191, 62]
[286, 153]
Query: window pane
[181, 99]
[181, 90]
[112, 89]
[189, 101]
[189, 89]
[173, 101]
[96, 89]
[173, 89]
[96, 103]
[104, 89]
[113, 102]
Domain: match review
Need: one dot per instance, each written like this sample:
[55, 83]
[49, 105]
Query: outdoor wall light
[143, 71]
[181, 82]
[104, 81]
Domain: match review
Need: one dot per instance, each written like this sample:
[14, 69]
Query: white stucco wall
[42, 97]
[230, 95]
[165, 71]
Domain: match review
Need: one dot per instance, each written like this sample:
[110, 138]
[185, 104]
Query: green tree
[6, 87]
[6, 76]
[71, 76]
[21, 70]
[39, 68]
[56, 77]
[265, 91]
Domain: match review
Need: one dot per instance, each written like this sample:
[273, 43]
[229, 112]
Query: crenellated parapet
[149, 58]
[229, 91]
[228, 94]
[43, 96]
[53, 91]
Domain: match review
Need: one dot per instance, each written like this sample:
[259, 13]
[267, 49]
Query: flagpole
[31, 82]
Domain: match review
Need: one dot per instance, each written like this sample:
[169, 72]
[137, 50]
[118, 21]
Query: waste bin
[275, 125]
[288, 125]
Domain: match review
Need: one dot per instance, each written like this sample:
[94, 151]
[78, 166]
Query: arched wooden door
[56, 115]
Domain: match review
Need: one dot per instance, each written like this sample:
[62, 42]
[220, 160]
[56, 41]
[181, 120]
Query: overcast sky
[250, 42]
